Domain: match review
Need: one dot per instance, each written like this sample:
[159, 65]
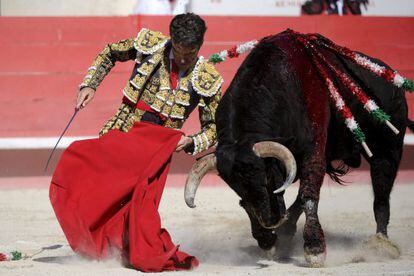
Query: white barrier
[202, 7]
[24, 143]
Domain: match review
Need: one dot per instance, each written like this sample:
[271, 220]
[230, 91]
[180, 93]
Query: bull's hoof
[285, 246]
[315, 260]
[382, 246]
[271, 254]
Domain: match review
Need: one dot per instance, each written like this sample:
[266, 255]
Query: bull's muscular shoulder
[206, 80]
[148, 42]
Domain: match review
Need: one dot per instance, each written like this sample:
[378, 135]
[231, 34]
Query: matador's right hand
[85, 96]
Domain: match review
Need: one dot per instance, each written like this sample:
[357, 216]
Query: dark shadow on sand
[291, 252]
[56, 260]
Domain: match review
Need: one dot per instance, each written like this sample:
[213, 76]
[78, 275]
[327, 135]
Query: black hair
[188, 29]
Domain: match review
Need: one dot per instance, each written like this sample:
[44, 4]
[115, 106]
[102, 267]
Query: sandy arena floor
[218, 233]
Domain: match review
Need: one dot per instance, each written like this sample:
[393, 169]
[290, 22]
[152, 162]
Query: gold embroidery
[176, 124]
[164, 77]
[123, 45]
[183, 84]
[119, 51]
[182, 97]
[163, 91]
[144, 71]
[91, 70]
[213, 106]
[125, 117]
[177, 112]
[157, 104]
[207, 137]
[206, 80]
[155, 81]
[138, 81]
[166, 110]
[130, 92]
[162, 95]
[211, 134]
[153, 89]
[201, 103]
[148, 42]
[145, 68]
[147, 97]
[170, 99]
[97, 72]
[156, 91]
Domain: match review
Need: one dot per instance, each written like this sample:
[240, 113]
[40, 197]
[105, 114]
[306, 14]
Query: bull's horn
[279, 151]
[198, 171]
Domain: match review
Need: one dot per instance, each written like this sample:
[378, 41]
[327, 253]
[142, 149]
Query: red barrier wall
[44, 59]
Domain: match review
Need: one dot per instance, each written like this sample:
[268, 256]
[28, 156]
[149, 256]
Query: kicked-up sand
[218, 233]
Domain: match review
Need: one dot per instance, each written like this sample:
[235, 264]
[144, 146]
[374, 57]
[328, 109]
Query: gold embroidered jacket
[150, 83]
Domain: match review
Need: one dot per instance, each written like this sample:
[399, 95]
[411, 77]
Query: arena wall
[44, 59]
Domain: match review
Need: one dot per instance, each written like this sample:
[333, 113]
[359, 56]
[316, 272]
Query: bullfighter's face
[185, 56]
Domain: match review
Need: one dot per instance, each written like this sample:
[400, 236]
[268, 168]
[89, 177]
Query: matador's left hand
[183, 143]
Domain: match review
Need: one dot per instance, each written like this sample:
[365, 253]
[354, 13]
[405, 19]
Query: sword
[63, 133]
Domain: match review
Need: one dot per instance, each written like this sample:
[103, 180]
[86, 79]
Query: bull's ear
[225, 155]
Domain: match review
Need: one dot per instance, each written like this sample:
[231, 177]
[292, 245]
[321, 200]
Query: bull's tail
[410, 124]
[336, 173]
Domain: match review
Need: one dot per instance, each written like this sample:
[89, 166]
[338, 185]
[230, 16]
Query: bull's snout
[272, 223]
[264, 215]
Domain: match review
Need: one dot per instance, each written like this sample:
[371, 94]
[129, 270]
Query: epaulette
[206, 80]
[148, 42]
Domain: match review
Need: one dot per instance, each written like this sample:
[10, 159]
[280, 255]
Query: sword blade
[63, 133]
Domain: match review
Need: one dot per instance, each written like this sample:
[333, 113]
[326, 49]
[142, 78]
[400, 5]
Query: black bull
[279, 96]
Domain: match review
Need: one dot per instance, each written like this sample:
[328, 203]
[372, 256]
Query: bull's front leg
[313, 236]
[287, 231]
[313, 167]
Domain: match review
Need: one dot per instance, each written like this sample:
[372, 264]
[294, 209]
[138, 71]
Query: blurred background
[47, 45]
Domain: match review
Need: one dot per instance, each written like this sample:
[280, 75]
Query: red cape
[106, 193]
